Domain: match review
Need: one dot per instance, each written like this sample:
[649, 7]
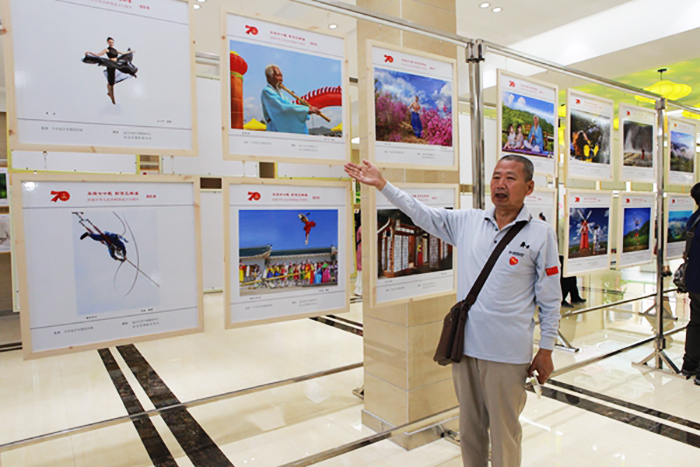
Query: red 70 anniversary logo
[388, 58]
[62, 195]
[253, 196]
[251, 30]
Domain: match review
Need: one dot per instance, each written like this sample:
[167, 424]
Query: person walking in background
[691, 359]
[490, 378]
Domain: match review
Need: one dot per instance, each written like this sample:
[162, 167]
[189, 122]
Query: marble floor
[260, 396]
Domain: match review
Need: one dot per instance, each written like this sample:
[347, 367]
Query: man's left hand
[543, 364]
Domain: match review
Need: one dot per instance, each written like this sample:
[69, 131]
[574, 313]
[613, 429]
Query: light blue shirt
[501, 322]
[282, 115]
[537, 138]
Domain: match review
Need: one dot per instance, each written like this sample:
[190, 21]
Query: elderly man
[280, 114]
[490, 379]
[535, 137]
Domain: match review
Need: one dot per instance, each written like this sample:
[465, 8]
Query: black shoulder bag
[451, 346]
[679, 275]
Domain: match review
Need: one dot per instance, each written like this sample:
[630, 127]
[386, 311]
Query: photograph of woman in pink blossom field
[412, 108]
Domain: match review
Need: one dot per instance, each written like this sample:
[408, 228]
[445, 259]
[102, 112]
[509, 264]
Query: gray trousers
[491, 397]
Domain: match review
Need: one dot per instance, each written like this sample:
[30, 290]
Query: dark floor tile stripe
[638, 421]
[337, 324]
[196, 443]
[157, 450]
[345, 320]
[628, 405]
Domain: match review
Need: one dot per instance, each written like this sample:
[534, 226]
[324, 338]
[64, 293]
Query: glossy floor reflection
[606, 413]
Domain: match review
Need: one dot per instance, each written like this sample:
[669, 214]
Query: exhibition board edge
[567, 133]
[667, 204]
[13, 137]
[499, 120]
[371, 120]
[621, 223]
[656, 154]
[667, 161]
[225, 79]
[565, 244]
[226, 183]
[373, 253]
[13, 169]
[22, 277]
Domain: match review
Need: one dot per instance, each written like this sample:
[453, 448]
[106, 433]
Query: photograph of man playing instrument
[284, 91]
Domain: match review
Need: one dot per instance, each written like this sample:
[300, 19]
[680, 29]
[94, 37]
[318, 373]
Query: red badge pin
[513, 261]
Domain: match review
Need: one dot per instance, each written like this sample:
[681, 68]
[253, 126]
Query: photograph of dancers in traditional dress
[405, 249]
[527, 125]
[637, 144]
[284, 91]
[590, 137]
[635, 229]
[118, 65]
[116, 260]
[682, 151]
[588, 232]
[411, 108]
[287, 250]
[677, 223]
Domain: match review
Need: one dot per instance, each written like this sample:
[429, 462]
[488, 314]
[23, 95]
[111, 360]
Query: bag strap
[689, 237]
[479, 283]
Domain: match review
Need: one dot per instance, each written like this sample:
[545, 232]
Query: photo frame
[638, 145]
[412, 108]
[589, 127]
[527, 105]
[101, 275]
[587, 248]
[399, 273]
[261, 123]
[141, 118]
[298, 265]
[635, 234]
[680, 162]
[678, 209]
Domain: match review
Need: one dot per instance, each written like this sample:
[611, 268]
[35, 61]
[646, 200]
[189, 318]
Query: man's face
[277, 77]
[508, 185]
[537, 120]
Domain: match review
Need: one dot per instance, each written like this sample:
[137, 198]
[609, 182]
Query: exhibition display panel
[528, 120]
[681, 151]
[412, 108]
[589, 122]
[638, 146]
[586, 231]
[104, 261]
[120, 82]
[284, 92]
[635, 233]
[287, 249]
[678, 210]
[409, 263]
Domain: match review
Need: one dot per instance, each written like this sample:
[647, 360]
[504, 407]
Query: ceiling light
[196, 6]
[497, 9]
[332, 26]
[485, 5]
[201, 1]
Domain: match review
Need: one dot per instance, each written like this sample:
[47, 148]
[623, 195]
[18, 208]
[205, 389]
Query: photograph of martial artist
[411, 108]
[588, 232]
[284, 91]
[118, 65]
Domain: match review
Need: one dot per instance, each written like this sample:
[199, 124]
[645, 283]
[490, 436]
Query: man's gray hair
[268, 70]
[528, 168]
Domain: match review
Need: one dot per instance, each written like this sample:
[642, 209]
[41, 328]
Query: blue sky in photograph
[432, 92]
[302, 73]
[643, 214]
[285, 231]
[683, 139]
[544, 110]
[679, 216]
[597, 216]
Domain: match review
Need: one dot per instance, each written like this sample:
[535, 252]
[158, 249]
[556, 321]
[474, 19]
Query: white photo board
[588, 136]
[638, 153]
[55, 161]
[288, 248]
[104, 261]
[635, 233]
[682, 150]
[528, 120]
[587, 231]
[679, 208]
[409, 263]
[541, 204]
[135, 96]
[412, 108]
[268, 123]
